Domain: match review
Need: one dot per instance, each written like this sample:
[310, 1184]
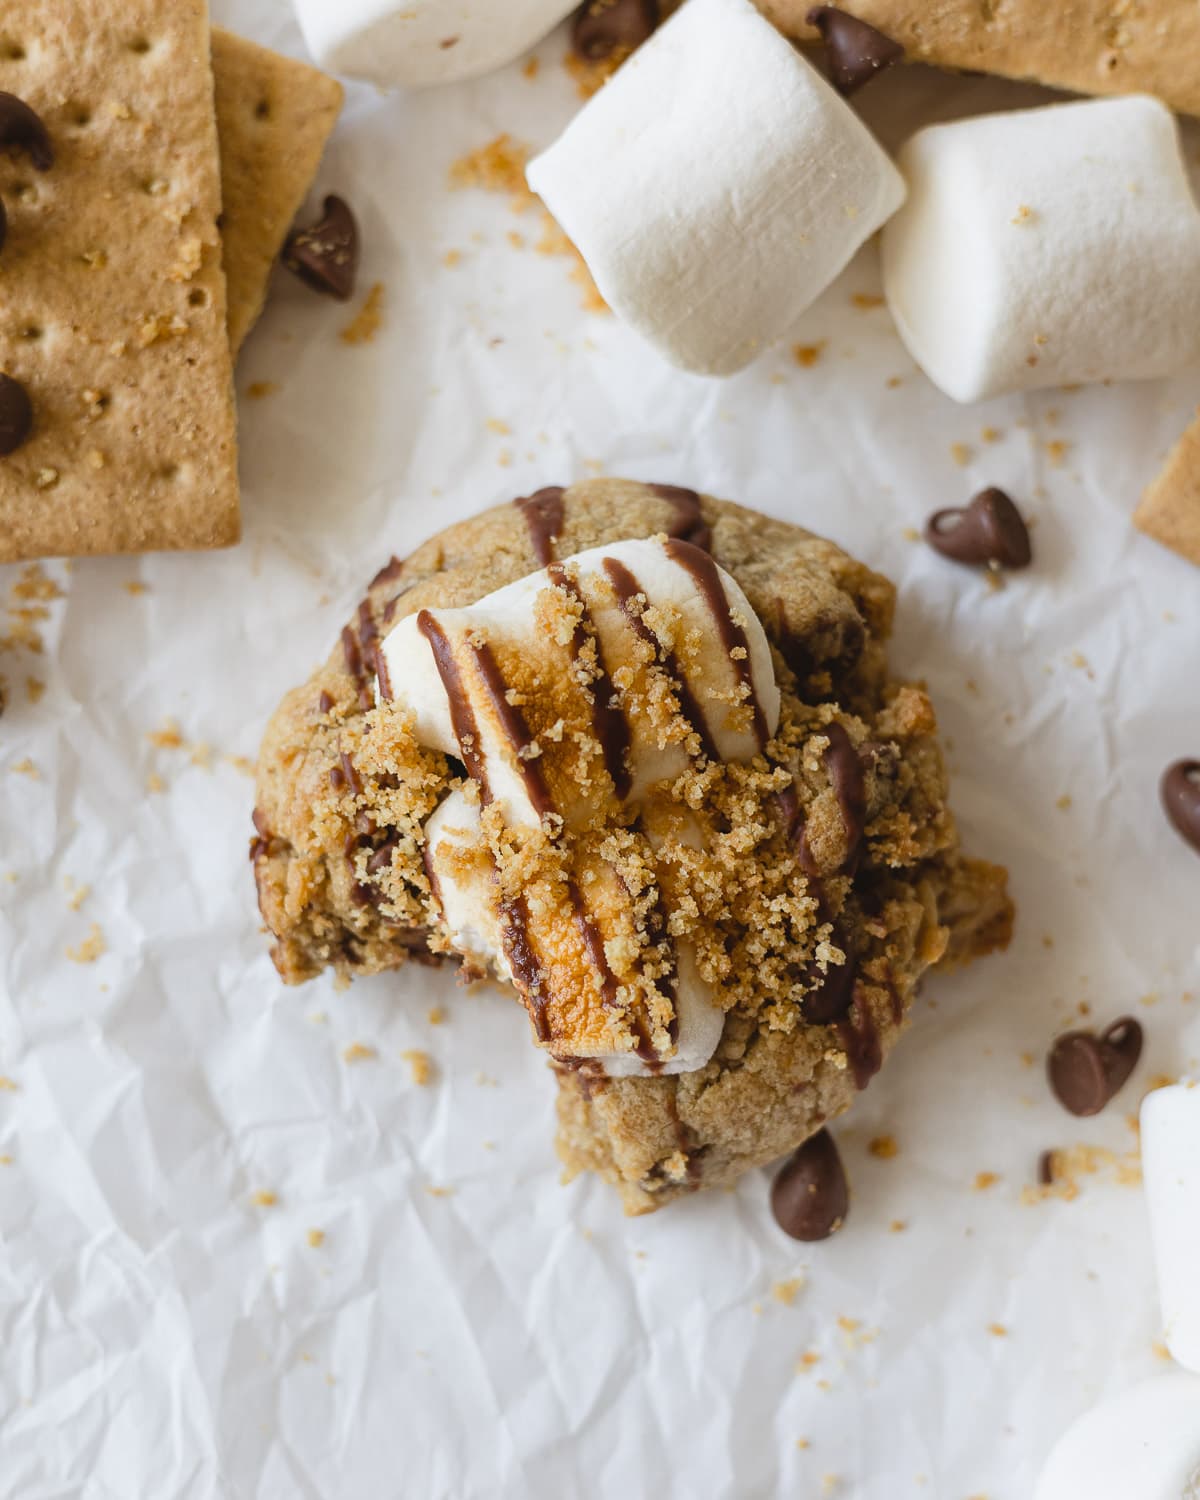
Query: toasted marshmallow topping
[567, 695]
[590, 680]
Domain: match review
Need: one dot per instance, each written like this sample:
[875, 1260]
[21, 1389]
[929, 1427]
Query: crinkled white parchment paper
[467, 1327]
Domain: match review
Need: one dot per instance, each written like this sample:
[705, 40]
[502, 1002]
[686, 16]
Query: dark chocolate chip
[1045, 1168]
[1181, 799]
[1086, 1071]
[855, 52]
[809, 1197]
[22, 127]
[989, 530]
[1122, 1043]
[325, 256]
[16, 415]
[3, 224]
[602, 27]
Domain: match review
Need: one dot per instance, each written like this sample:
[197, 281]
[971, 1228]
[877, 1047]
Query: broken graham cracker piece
[1089, 46]
[1170, 508]
[111, 284]
[274, 116]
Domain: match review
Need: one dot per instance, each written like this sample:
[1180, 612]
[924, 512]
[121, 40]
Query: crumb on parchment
[367, 321]
[90, 948]
[358, 1052]
[883, 1147]
[420, 1064]
[787, 1291]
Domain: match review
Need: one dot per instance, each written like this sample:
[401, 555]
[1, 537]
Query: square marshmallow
[1050, 246]
[716, 186]
[421, 42]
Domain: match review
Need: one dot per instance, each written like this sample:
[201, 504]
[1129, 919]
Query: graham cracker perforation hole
[140, 44]
[262, 110]
[198, 297]
[31, 331]
[12, 51]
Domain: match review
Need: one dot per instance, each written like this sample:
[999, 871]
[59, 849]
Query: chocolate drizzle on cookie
[703, 571]
[629, 591]
[462, 715]
[544, 513]
[689, 524]
[859, 1033]
[609, 724]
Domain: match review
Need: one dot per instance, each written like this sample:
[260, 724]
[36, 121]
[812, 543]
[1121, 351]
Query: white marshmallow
[1044, 247]
[464, 884]
[1171, 1167]
[422, 42]
[1142, 1445]
[507, 621]
[716, 185]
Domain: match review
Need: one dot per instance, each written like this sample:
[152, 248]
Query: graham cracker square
[1170, 508]
[112, 296]
[274, 116]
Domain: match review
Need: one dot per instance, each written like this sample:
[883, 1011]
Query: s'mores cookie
[1170, 508]
[112, 296]
[274, 116]
[1089, 46]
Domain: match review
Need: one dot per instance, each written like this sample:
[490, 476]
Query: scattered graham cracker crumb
[786, 1291]
[866, 300]
[961, 454]
[1063, 802]
[439, 1192]
[883, 1147]
[241, 763]
[1024, 215]
[1161, 1351]
[34, 689]
[898, 1226]
[849, 1325]
[264, 1198]
[90, 949]
[155, 783]
[436, 1015]
[985, 1180]
[76, 894]
[258, 390]
[990, 435]
[5, 1159]
[803, 1443]
[1028, 1059]
[806, 355]
[168, 737]
[451, 259]
[316, 1238]
[998, 1330]
[530, 70]
[497, 167]
[358, 1052]
[1057, 451]
[8, 1086]
[893, 381]
[494, 424]
[136, 586]
[367, 321]
[516, 239]
[420, 1063]
[590, 77]
[807, 1361]
[911, 534]
[26, 767]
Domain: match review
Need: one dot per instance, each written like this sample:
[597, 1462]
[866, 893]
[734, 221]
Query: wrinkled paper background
[468, 1327]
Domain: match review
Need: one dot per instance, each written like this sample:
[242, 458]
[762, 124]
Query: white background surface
[163, 1336]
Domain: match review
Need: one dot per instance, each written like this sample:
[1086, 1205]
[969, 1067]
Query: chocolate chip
[831, 993]
[16, 415]
[3, 224]
[855, 52]
[1086, 1071]
[1181, 799]
[989, 530]
[21, 127]
[1045, 1169]
[602, 27]
[325, 256]
[809, 1197]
